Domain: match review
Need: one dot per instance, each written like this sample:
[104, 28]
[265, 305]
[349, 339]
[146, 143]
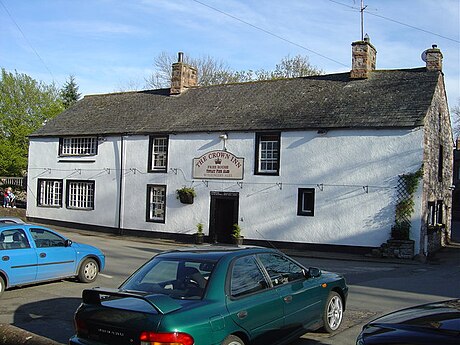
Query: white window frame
[158, 160]
[156, 203]
[80, 194]
[49, 193]
[78, 146]
[268, 153]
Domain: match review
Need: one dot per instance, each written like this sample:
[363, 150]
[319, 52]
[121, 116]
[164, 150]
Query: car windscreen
[177, 278]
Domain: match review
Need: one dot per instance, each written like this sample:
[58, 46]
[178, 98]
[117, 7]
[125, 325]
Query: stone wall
[436, 186]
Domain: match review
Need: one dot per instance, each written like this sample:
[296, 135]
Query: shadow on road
[51, 318]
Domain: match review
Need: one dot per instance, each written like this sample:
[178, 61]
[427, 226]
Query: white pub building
[307, 162]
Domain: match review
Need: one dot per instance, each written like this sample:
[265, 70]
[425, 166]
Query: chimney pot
[180, 57]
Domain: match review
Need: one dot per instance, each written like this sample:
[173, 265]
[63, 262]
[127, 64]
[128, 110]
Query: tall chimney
[433, 58]
[363, 58]
[183, 76]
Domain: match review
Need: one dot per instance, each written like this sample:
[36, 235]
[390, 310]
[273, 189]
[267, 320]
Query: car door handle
[5, 258]
[287, 299]
[242, 314]
[43, 255]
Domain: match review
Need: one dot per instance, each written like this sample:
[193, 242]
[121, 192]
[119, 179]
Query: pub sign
[218, 164]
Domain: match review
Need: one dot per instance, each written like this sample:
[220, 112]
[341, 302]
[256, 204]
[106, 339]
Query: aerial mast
[362, 19]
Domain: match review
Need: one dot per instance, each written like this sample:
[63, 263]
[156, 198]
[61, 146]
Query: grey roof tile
[390, 98]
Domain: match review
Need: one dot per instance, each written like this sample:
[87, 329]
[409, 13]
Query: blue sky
[109, 45]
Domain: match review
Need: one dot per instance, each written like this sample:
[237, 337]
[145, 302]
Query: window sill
[76, 160]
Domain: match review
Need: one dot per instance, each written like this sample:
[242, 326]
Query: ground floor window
[156, 203]
[80, 195]
[306, 202]
[49, 193]
[435, 212]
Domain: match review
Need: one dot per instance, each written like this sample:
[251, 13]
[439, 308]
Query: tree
[25, 105]
[456, 119]
[213, 72]
[69, 92]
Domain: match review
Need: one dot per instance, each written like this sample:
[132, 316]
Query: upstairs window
[78, 146]
[267, 153]
[156, 203]
[440, 163]
[49, 193]
[158, 154]
[80, 195]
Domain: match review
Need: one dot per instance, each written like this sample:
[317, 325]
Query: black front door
[224, 213]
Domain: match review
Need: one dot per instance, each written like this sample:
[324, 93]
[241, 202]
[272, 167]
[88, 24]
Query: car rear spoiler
[162, 303]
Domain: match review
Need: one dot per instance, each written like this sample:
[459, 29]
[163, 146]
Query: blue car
[31, 254]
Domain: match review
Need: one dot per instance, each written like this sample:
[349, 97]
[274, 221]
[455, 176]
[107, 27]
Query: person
[11, 198]
[6, 200]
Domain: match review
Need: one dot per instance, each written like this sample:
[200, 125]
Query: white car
[11, 220]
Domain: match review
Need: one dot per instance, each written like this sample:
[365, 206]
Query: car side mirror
[313, 272]
[68, 243]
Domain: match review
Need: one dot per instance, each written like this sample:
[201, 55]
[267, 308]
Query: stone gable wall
[438, 132]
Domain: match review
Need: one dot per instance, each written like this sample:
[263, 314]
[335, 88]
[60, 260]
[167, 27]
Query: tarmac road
[376, 287]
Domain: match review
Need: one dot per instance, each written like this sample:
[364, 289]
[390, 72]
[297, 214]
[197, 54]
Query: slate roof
[389, 98]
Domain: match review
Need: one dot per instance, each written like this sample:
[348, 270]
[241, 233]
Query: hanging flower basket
[186, 195]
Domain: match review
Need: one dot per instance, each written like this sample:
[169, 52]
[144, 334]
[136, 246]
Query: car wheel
[232, 340]
[333, 312]
[88, 272]
[2, 285]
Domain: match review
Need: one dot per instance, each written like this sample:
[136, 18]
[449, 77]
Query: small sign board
[218, 164]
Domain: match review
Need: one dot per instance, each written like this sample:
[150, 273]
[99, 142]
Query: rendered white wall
[343, 161]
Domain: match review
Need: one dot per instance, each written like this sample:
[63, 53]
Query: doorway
[223, 214]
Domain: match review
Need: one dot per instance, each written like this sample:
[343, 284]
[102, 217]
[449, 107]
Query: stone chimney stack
[363, 59]
[183, 76]
[433, 58]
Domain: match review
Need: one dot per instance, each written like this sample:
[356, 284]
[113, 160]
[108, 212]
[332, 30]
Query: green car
[213, 295]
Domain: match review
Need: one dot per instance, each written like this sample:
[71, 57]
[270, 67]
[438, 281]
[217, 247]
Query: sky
[110, 45]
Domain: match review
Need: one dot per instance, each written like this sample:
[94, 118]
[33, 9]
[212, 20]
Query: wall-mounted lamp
[224, 138]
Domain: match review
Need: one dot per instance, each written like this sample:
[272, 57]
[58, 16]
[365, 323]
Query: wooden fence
[8, 181]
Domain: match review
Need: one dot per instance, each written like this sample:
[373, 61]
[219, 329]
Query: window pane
[268, 153]
[246, 277]
[44, 238]
[431, 213]
[79, 146]
[157, 203]
[280, 269]
[159, 153]
[80, 195]
[306, 202]
[50, 193]
[13, 239]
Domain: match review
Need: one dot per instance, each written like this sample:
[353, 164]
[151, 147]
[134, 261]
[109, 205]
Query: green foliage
[401, 231]
[25, 105]
[236, 231]
[187, 191]
[405, 206]
[69, 92]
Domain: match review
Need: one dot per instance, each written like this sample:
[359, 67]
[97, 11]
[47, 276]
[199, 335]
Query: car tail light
[174, 338]
[81, 327]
